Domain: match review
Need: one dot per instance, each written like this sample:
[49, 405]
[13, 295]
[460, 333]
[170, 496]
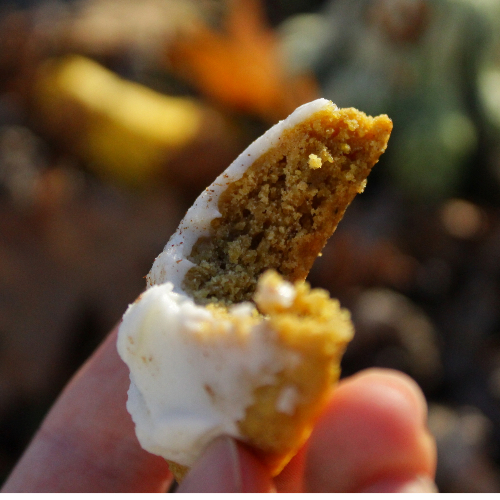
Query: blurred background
[115, 114]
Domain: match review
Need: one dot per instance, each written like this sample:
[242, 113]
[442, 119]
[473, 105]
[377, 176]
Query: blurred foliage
[420, 62]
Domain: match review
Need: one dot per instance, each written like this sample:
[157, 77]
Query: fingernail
[217, 470]
[418, 484]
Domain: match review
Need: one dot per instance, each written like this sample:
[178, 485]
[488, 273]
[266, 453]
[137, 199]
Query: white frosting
[172, 264]
[287, 400]
[193, 374]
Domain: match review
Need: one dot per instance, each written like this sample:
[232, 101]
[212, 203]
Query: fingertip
[373, 427]
[226, 466]
[379, 384]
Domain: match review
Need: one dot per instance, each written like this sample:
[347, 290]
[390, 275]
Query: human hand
[371, 437]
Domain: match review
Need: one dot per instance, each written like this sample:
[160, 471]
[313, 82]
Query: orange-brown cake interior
[281, 212]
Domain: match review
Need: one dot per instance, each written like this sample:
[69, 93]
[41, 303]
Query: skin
[372, 436]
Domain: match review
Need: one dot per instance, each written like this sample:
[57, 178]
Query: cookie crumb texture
[280, 214]
[310, 331]
[317, 329]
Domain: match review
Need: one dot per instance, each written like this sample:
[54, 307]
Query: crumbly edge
[280, 214]
[316, 328]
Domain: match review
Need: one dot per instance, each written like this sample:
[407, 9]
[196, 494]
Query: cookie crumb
[315, 162]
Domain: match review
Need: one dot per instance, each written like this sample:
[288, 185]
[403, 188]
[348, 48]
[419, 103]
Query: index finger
[87, 441]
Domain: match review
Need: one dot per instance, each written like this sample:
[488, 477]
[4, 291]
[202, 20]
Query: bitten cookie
[228, 339]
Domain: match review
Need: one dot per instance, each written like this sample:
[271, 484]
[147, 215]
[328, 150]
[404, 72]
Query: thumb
[372, 436]
[226, 467]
